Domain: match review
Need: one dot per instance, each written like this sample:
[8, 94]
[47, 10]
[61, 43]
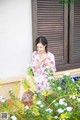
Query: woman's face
[40, 48]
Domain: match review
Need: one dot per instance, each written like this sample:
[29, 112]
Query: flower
[49, 110]
[65, 104]
[73, 96]
[56, 117]
[69, 109]
[72, 80]
[50, 77]
[42, 106]
[56, 104]
[11, 90]
[59, 88]
[62, 103]
[2, 99]
[45, 93]
[60, 110]
[38, 102]
[26, 107]
[62, 116]
[13, 118]
[59, 102]
[67, 73]
[78, 99]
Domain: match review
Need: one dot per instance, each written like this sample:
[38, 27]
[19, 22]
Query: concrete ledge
[8, 80]
[73, 72]
[11, 79]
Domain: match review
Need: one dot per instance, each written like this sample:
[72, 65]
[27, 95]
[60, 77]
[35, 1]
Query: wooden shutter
[75, 34]
[50, 19]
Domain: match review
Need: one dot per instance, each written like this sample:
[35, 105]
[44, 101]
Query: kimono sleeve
[34, 61]
[52, 62]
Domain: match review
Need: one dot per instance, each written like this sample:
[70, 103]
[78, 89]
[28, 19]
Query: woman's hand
[42, 57]
[47, 63]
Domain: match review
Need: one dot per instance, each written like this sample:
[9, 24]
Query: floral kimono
[40, 74]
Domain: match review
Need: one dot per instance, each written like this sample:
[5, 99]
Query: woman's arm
[35, 62]
[38, 63]
[50, 62]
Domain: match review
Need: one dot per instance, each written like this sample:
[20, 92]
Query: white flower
[65, 104]
[69, 109]
[73, 96]
[55, 117]
[28, 65]
[49, 110]
[59, 88]
[78, 99]
[67, 73]
[60, 110]
[47, 67]
[2, 99]
[38, 102]
[11, 89]
[61, 100]
[72, 80]
[50, 77]
[62, 103]
[42, 106]
[13, 118]
[26, 107]
[56, 104]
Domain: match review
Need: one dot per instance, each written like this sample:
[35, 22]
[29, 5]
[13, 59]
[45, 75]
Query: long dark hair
[42, 40]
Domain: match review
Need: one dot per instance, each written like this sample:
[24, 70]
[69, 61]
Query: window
[58, 22]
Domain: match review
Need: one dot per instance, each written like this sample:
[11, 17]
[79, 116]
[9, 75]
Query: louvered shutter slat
[76, 43]
[50, 23]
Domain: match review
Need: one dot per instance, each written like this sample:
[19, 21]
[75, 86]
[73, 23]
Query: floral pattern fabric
[40, 74]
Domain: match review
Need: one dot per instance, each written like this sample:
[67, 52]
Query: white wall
[15, 36]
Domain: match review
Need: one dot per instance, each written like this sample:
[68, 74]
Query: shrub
[61, 102]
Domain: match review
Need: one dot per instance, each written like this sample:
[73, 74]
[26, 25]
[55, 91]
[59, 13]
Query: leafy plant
[61, 102]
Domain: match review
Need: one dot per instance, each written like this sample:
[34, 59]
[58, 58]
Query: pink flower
[38, 89]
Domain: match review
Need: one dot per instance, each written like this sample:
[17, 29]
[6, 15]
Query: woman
[42, 58]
